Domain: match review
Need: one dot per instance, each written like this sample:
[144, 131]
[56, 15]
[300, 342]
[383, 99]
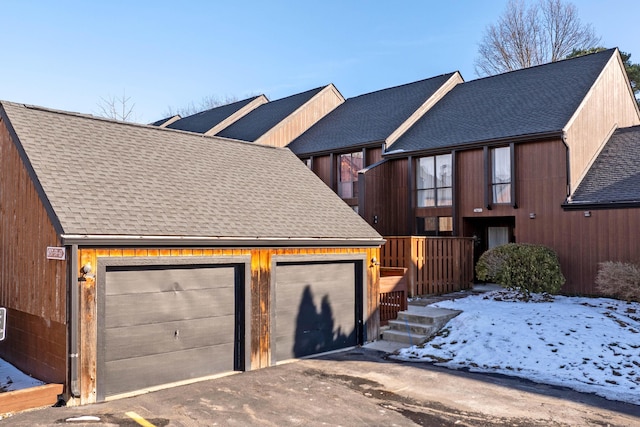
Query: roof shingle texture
[111, 178]
[203, 121]
[260, 120]
[368, 118]
[530, 101]
[615, 175]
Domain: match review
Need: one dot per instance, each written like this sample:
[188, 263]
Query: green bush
[522, 266]
[620, 280]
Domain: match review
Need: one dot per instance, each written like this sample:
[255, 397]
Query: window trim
[435, 187]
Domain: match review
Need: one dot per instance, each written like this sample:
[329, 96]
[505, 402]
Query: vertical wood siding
[303, 118]
[261, 298]
[608, 105]
[387, 197]
[31, 287]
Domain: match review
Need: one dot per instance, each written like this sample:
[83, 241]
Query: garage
[160, 324]
[318, 307]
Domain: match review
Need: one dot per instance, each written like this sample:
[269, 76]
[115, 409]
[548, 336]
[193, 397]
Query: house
[126, 249]
[353, 135]
[258, 120]
[514, 158]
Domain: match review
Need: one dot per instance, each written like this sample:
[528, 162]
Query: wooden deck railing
[393, 292]
[435, 265]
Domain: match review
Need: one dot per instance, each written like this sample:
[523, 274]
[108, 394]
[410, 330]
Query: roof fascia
[170, 120]
[558, 134]
[53, 217]
[328, 88]
[262, 99]
[183, 241]
[341, 150]
[454, 80]
[579, 206]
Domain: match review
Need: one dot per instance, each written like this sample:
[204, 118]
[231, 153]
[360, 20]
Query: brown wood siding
[31, 287]
[374, 155]
[322, 168]
[302, 119]
[260, 309]
[580, 242]
[387, 197]
[608, 105]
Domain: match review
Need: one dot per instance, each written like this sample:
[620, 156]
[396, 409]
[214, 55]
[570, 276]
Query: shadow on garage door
[160, 324]
[318, 307]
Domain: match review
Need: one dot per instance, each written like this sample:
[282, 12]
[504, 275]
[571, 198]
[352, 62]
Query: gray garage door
[163, 324]
[316, 308]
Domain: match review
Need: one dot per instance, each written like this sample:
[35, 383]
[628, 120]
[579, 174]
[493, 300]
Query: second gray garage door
[162, 324]
[316, 308]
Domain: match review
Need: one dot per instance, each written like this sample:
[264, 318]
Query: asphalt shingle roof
[203, 121]
[367, 118]
[615, 174]
[530, 101]
[112, 178]
[260, 120]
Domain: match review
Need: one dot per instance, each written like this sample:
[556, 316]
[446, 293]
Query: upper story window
[308, 162]
[501, 175]
[434, 181]
[349, 165]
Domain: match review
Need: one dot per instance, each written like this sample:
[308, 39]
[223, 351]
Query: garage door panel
[161, 325]
[137, 341]
[122, 282]
[315, 308]
[297, 274]
[138, 373]
[168, 306]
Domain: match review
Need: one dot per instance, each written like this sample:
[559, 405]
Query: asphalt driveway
[357, 387]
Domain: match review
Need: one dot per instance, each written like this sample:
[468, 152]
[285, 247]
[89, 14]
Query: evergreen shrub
[522, 266]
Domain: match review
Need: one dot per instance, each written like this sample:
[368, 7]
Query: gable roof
[256, 123]
[105, 178]
[532, 101]
[368, 118]
[614, 177]
[205, 120]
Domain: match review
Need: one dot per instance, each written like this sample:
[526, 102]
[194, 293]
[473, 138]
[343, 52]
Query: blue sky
[68, 54]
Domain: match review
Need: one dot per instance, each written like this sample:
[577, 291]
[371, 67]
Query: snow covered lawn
[590, 345]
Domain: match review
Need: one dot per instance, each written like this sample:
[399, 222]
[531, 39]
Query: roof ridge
[124, 123]
[542, 65]
[405, 84]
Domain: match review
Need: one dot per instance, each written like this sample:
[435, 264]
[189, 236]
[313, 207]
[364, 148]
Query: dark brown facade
[582, 239]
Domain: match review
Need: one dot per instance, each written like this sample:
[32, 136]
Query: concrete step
[414, 328]
[403, 337]
[416, 325]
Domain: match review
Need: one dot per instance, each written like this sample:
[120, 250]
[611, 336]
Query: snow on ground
[12, 379]
[591, 345]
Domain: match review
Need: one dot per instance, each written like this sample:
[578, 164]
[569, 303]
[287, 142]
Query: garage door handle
[176, 334]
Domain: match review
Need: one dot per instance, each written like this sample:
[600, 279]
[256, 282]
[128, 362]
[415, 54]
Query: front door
[489, 233]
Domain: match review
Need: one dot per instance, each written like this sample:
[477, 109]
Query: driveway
[357, 387]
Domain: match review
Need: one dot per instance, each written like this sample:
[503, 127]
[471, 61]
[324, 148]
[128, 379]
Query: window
[435, 226]
[501, 174]
[349, 165]
[434, 183]
[308, 162]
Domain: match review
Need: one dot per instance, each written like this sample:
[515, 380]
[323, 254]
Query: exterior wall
[322, 168]
[385, 203]
[580, 242]
[261, 298]
[609, 105]
[32, 288]
[303, 118]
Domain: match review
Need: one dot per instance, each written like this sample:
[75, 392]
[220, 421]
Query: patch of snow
[12, 379]
[590, 345]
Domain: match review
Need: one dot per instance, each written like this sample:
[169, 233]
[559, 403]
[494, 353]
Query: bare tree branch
[117, 108]
[543, 32]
